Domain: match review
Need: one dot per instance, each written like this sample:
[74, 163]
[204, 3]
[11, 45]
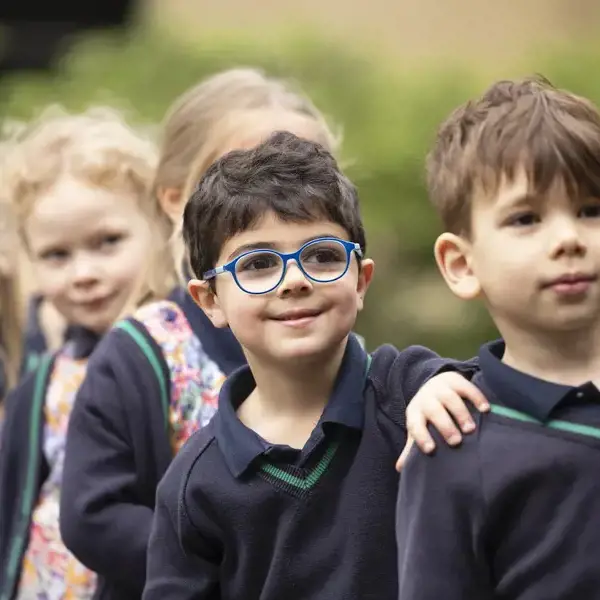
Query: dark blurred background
[386, 71]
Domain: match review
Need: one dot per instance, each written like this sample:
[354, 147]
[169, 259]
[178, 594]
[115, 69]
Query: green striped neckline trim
[312, 477]
[516, 415]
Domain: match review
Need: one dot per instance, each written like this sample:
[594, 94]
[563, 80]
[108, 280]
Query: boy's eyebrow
[520, 199]
[247, 247]
[272, 246]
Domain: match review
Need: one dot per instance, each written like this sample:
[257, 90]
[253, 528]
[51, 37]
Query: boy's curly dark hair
[296, 179]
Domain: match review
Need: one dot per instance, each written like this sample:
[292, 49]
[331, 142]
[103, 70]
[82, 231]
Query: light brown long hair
[11, 306]
[243, 129]
[196, 121]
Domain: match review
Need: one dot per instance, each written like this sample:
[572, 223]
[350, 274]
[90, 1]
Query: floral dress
[50, 571]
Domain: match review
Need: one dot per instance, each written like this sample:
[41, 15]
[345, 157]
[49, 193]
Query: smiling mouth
[297, 315]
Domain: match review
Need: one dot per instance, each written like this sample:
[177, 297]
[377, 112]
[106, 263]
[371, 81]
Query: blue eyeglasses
[261, 271]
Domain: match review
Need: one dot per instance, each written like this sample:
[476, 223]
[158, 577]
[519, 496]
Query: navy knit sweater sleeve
[182, 565]
[406, 371]
[111, 469]
[440, 511]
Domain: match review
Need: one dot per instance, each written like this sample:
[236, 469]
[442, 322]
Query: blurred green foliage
[388, 122]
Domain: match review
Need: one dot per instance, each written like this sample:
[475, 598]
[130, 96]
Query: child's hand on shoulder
[441, 402]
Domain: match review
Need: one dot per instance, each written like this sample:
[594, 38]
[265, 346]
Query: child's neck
[567, 358]
[287, 403]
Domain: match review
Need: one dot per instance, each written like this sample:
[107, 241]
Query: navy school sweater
[512, 512]
[22, 471]
[219, 344]
[115, 458]
[237, 517]
[34, 340]
[35, 345]
[23, 468]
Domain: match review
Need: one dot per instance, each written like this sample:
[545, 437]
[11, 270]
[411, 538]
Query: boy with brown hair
[514, 512]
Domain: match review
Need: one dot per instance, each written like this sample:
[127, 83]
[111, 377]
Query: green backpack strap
[28, 500]
[151, 355]
[154, 361]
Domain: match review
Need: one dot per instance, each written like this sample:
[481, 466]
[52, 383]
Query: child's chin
[98, 324]
[304, 349]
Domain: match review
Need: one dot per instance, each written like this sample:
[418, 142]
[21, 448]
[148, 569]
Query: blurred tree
[389, 121]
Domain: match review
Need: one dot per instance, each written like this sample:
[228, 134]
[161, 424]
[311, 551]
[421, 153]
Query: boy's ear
[367, 270]
[207, 300]
[453, 257]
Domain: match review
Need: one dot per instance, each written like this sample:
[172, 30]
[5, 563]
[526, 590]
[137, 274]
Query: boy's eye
[592, 211]
[258, 262]
[325, 255]
[523, 219]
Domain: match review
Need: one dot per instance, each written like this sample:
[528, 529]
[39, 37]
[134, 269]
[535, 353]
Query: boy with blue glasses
[289, 492]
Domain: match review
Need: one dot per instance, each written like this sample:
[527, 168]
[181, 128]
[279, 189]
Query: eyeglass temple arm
[213, 273]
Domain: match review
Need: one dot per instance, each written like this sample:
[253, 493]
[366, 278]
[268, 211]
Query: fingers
[400, 462]
[442, 403]
[417, 420]
[436, 414]
[457, 409]
[465, 389]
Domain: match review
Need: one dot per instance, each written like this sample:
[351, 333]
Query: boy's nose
[568, 239]
[294, 280]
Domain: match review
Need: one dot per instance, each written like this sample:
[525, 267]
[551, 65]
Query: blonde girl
[80, 187]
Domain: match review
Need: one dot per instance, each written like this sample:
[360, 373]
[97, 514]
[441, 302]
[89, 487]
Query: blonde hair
[11, 308]
[189, 129]
[189, 120]
[98, 147]
[244, 129]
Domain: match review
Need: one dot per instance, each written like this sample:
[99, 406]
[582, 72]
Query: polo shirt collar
[518, 390]
[241, 446]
